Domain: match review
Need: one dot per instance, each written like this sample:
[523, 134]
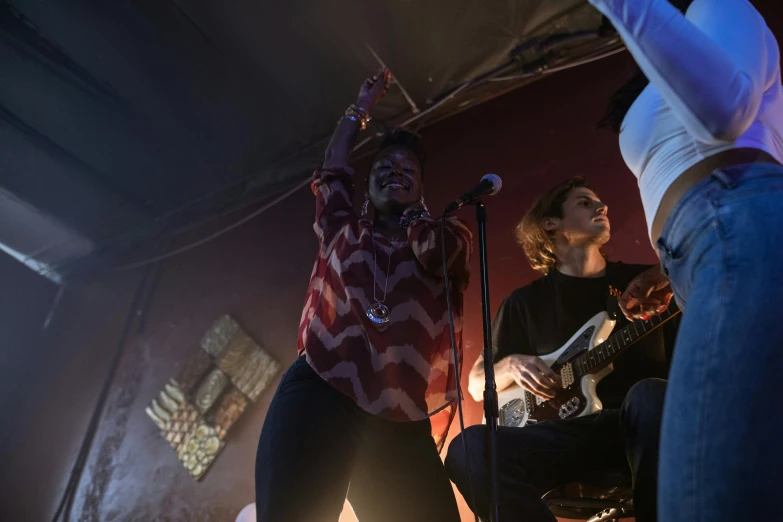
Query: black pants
[537, 458]
[317, 446]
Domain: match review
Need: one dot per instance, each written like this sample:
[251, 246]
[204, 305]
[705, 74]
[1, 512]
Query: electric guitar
[582, 363]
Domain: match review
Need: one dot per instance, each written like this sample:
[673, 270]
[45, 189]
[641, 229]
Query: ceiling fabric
[124, 120]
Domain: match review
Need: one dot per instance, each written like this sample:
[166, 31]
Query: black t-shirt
[539, 318]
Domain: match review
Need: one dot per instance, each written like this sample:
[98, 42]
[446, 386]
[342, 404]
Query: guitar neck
[617, 343]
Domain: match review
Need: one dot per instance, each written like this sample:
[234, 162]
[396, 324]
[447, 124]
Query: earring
[424, 205]
[366, 205]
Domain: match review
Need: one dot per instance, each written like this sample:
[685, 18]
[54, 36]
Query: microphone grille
[495, 180]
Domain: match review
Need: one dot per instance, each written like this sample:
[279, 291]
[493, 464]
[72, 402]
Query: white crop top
[714, 85]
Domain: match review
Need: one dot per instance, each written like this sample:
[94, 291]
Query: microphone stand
[491, 414]
[490, 388]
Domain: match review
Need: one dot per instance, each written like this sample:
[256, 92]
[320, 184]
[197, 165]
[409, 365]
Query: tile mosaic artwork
[196, 410]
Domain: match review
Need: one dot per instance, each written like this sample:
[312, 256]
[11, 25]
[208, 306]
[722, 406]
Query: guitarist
[562, 235]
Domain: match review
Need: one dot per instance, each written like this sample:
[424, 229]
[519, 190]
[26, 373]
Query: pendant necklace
[378, 312]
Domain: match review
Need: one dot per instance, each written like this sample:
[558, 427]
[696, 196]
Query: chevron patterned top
[402, 371]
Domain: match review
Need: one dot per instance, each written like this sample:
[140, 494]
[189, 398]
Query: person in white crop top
[715, 85]
[705, 140]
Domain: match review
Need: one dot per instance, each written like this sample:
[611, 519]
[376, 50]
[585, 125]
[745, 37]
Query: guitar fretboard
[617, 342]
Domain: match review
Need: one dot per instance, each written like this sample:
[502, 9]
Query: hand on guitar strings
[648, 294]
[531, 373]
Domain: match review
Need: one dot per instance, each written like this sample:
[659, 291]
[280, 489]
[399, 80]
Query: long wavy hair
[538, 243]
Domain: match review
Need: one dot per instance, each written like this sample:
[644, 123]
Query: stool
[599, 496]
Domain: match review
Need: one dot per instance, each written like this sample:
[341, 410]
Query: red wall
[532, 138]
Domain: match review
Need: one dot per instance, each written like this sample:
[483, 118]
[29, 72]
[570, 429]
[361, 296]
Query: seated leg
[640, 418]
[533, 460]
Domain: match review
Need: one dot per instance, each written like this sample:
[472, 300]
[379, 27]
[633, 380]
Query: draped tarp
[125, 119]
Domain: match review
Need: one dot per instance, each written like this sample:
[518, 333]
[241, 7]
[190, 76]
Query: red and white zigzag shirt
[405, 371]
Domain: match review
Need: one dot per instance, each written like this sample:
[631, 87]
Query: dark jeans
[317, 446]
[537, 458]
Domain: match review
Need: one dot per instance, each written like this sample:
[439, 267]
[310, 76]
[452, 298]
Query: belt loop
[727, 179]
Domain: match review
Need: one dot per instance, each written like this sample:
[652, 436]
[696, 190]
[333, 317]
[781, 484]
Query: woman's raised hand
[374, 89]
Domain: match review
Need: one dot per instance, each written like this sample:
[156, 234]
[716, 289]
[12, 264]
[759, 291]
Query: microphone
[490, 185]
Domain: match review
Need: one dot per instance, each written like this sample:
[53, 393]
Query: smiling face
[584, 218]
[395, 181]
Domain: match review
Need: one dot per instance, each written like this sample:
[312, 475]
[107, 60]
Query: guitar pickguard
[579, 372]
[519, 408]
[580, 344]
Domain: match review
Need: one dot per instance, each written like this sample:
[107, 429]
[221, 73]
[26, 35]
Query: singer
[705, 139]
[351, 415]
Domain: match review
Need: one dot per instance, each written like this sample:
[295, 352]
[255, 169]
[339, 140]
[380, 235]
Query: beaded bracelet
[356, 114]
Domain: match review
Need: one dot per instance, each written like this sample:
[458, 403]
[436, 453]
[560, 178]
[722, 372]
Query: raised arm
[372, 91]
[712, 66]
[333, 183]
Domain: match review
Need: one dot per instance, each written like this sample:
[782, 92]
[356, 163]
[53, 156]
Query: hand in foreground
[532, 374]
[647, 294]
[374, 89]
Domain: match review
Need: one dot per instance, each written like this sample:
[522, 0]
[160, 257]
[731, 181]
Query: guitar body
[582, 363]
[578, 397]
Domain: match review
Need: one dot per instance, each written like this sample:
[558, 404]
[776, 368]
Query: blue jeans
[722, 437]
